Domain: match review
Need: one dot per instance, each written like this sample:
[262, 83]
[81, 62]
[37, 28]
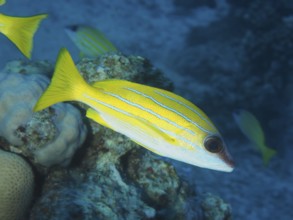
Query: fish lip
[230, 165]
[226, 169]
[223, 167]
[227, 158]
[229, 169]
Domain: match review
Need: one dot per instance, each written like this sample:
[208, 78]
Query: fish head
[71, 32]
[209, 151]
[237, 115]
[216, 153]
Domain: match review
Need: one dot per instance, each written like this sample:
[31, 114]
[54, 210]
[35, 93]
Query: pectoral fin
[155, 136]
[151, 129]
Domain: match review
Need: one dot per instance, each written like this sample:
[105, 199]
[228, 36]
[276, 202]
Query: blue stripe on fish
[170, 109]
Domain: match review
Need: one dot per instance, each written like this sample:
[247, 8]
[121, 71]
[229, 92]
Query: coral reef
[105, 191]
[119, 66]
[16, 186]
[47, 138]
[159, 181]
[215, 208]
[112, 177]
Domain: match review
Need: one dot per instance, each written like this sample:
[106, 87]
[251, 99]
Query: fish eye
[213, 144]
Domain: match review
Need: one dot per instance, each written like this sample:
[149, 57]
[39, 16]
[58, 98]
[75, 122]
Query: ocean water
[222, 55]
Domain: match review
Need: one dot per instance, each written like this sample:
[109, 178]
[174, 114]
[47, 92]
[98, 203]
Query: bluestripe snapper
[21, 30]
[90, 41]
[158, 120]
[251, 128]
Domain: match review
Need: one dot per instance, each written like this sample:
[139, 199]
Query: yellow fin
[152, 131]
[66, 84]
[21, 30]
[147, 126]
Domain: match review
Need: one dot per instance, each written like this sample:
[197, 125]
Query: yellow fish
[2, 2]
[21, 30]
[90, 41]
[251, 128]
[158, 120]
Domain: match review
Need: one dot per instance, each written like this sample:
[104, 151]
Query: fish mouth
[227, 158]
[223, 167]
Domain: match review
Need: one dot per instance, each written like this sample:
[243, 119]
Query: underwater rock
[119, 66]
[215, 208]
[16, 186]
[111, 177]
[159, 181]
[46, 138]
[97, 188]
[96, 194]
[29, 67]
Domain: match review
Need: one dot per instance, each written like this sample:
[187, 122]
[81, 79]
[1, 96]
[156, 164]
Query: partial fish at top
[20, 30]
[158, 120]
[2, 2]
[90, 41]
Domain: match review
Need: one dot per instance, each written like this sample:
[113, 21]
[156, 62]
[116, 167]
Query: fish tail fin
[21, 30]
[66, 85]
[268, 153]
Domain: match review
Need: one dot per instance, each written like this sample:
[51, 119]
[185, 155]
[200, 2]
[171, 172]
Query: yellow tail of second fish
[66, 85]
[21, 30]
[267, 154]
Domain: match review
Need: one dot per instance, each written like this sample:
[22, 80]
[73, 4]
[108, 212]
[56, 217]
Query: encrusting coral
[16, 186]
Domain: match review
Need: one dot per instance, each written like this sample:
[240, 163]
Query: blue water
[222, 56]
